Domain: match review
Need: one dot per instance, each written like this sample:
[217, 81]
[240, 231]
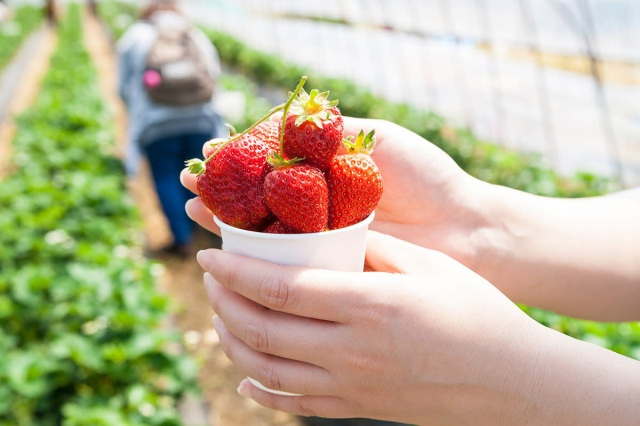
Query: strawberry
[278, 227]
[354, 183]
[313, 129]
[232, 185]
[297, 194]
[269, 133]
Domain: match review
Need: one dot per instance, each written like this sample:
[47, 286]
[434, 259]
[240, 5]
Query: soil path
[183, 278]
[20, 83]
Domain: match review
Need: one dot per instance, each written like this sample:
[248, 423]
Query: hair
[158, 6]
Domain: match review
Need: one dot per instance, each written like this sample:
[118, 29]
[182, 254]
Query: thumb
[388, 254]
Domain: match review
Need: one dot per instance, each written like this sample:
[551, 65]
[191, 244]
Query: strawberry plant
[82, 341]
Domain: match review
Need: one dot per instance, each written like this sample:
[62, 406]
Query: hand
[427, 199]
[421, 340]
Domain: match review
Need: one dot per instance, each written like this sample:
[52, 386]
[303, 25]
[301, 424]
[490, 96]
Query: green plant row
[82, 340]
[14, 32]
[482, 159]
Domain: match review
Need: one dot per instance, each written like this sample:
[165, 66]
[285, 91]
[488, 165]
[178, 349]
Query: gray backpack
[176, 71]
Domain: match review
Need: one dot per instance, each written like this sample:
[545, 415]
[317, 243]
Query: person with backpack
[168, 71]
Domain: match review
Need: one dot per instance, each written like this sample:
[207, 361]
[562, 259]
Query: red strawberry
[278, 227]
[313, 129]
[269, 133]
[354, 182]
[232, 186]
[297, 194]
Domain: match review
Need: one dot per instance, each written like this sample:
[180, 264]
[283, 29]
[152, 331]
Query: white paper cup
[339, 250]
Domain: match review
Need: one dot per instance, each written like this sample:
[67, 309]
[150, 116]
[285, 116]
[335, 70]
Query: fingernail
[208, 283]
[243, 389]
[186, 207]
[216, 321]
[203, 259]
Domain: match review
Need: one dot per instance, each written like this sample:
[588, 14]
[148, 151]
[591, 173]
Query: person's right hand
[420, 339]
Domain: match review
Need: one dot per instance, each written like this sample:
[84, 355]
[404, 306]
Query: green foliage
[623, 338]
[81, 341]
[14, 32]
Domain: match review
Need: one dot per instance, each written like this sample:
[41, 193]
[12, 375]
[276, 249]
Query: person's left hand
[423, 339]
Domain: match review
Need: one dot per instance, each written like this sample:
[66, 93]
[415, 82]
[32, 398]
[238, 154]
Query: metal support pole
[494, 73]
[463, 85]
[606, 116]
[533, 46]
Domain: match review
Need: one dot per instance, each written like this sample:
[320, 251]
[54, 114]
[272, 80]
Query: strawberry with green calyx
[313, 129]
[354, 182]
[297, 194]
[232, 183]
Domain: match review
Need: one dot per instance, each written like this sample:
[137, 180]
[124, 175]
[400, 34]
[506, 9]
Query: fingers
[313, 293]
[268, 331]
[275, 373]
[306, 405]
[201, 215]
[189, 180]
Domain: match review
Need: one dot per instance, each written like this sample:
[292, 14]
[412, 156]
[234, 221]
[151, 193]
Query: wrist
[479, 236]
[497, 233]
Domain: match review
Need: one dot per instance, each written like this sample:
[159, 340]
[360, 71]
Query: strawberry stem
[247, 130]
[286, 110]
[197, 166]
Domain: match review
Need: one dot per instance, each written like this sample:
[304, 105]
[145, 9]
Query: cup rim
[266, 236]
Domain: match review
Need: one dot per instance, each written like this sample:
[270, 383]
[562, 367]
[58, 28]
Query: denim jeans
[166, 159]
